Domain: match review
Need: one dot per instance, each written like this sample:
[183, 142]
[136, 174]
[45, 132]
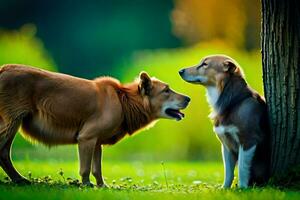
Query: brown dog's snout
[186, 101]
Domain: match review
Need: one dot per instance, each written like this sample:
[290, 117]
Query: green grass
[132, 180]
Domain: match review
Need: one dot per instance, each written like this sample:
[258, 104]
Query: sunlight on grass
[139, 172]
[132, 180]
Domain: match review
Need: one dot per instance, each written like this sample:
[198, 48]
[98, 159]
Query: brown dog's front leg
[97, 165]
[86, 149]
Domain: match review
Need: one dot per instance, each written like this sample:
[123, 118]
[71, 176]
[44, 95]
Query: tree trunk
[281, 75]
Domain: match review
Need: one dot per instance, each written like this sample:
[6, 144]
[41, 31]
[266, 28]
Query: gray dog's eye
[202, 65]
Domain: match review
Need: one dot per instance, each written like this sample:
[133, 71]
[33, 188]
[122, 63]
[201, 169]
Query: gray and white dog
[240, 118]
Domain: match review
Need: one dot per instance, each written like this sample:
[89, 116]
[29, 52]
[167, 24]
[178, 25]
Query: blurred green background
[120, 38]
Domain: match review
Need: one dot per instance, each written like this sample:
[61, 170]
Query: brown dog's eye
[167, 90]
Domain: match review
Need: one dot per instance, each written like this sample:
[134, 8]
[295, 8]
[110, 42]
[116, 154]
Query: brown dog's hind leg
[97, 165]
[7, 136]
[86, 149]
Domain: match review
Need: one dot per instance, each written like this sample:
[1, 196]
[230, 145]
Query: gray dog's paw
[102, 185]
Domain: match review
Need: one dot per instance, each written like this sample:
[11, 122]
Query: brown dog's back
[53, 105]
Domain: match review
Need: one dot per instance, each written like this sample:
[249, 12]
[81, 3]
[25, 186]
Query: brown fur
[55, 108]
[136, 112]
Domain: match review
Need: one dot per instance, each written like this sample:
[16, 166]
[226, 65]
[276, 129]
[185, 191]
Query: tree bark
[281, 75]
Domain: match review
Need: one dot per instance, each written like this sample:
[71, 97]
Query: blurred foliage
[107, 38]
[87, 38]
[237, 22]
[22, 47]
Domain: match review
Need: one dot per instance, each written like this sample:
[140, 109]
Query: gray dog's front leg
[244, 165]
[229, 162]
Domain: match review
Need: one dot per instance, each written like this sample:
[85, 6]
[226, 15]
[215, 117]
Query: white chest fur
[232, 132]
[212, 95]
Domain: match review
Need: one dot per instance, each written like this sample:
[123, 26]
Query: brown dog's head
[164, 102]
[211, 70]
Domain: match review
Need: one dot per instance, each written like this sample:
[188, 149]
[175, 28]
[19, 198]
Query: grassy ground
[131, 180]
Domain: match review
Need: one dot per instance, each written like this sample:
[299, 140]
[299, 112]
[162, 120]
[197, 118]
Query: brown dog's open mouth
[175, 114]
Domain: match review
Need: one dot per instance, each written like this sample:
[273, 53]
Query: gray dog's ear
[229, 66]
[145, 84]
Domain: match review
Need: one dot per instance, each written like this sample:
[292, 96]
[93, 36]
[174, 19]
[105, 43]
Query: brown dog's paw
[88, 184]
[22, 181]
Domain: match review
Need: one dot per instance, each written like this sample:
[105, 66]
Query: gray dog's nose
[188, 99]
[181, 71]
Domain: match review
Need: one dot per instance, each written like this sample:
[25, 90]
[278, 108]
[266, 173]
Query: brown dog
[55, 108]
[240, 118]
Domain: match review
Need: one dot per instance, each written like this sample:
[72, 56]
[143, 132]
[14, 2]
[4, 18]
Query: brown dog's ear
[145, 84]
[229, 66]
